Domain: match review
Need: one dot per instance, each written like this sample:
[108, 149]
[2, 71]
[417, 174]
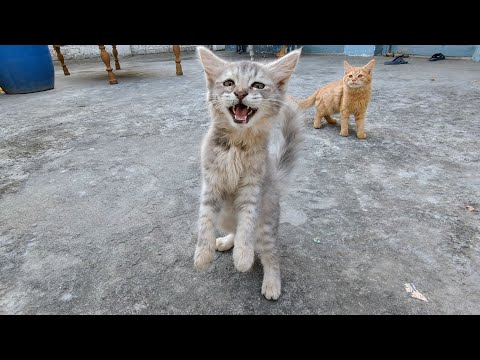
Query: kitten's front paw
[224, 243]
[243, 258]
[317, 124]
[203, 258]
[344, 132]
[271, 287]
[361, 135]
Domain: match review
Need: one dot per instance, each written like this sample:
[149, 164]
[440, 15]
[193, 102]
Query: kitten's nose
[240, 94]
[353, 80]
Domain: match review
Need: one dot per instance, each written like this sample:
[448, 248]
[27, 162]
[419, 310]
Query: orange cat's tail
[308, 102]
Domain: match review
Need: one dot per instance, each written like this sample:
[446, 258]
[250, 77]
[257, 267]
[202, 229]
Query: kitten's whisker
[278, 101]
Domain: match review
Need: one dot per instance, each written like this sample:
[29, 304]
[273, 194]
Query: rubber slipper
[396, 61]
[436, 57]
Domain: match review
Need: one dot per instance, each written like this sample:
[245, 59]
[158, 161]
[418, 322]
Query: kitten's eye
[258, 85]
[228, 83]
[350, 76]
[359, 75]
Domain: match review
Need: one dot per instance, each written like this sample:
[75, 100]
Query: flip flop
[397, 61]
[436, 57]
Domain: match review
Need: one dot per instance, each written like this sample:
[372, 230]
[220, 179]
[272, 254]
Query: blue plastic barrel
[25, 69]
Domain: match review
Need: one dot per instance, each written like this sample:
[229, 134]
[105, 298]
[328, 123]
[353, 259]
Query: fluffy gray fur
[242, 183]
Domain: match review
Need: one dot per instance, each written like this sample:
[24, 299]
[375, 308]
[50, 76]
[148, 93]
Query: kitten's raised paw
[224, 243]
[361, 135]
[271, 287]
[203, 258]
[332, 120]
[243, 258]
[344, 132]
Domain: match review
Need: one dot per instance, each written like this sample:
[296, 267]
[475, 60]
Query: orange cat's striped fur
[348, 96]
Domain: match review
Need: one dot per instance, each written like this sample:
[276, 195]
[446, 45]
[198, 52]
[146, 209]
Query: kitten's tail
[308, 102]
[290, 141]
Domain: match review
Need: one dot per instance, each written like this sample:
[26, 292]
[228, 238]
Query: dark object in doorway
[436, 57]
[241, 49]
[396, 61]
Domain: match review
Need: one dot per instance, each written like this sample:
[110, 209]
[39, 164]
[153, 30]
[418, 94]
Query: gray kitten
[242, 184]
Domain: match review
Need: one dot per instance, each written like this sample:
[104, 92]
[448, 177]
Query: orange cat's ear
[283, 68]
[368, 68]
[211, 63]
[347, 67]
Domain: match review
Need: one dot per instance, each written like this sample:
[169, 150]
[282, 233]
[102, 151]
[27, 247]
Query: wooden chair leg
[176, 51]
[61, 59]
[106, 60]
[115, 55]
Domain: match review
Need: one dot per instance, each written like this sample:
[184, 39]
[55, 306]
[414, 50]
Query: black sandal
[436, 57]
[396, 61]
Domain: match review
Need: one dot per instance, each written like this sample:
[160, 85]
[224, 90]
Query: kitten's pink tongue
[240, 112]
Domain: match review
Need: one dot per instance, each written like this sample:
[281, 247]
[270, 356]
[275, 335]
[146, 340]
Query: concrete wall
[353, 50]
[89, 51]
[359, 50]
[259, 49]
[429, 50]
[472, 51]
[476, 53]
[324, 49]
[155, 49]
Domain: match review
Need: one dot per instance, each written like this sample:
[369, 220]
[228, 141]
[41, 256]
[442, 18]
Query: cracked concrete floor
[99, 191]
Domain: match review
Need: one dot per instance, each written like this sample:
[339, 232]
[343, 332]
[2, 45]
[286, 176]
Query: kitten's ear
[368, 68]
[347, 67]
[210, 62]
[283, 68]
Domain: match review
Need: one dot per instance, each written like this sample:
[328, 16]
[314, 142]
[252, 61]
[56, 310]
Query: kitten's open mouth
[241, 113]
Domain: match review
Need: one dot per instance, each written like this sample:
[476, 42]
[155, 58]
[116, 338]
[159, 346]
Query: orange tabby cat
[348, 96]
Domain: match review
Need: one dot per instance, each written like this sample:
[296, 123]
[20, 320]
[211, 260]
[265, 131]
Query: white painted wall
[155, 49]
[89, 51]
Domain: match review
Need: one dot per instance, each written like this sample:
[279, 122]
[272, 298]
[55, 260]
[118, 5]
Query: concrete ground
[99, 195]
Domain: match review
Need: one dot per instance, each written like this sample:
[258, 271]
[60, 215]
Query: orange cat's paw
[361, 135]
[344, 132]
[317, 124]
[332, 121]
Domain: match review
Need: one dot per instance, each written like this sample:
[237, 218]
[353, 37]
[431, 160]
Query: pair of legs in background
[241, 49]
